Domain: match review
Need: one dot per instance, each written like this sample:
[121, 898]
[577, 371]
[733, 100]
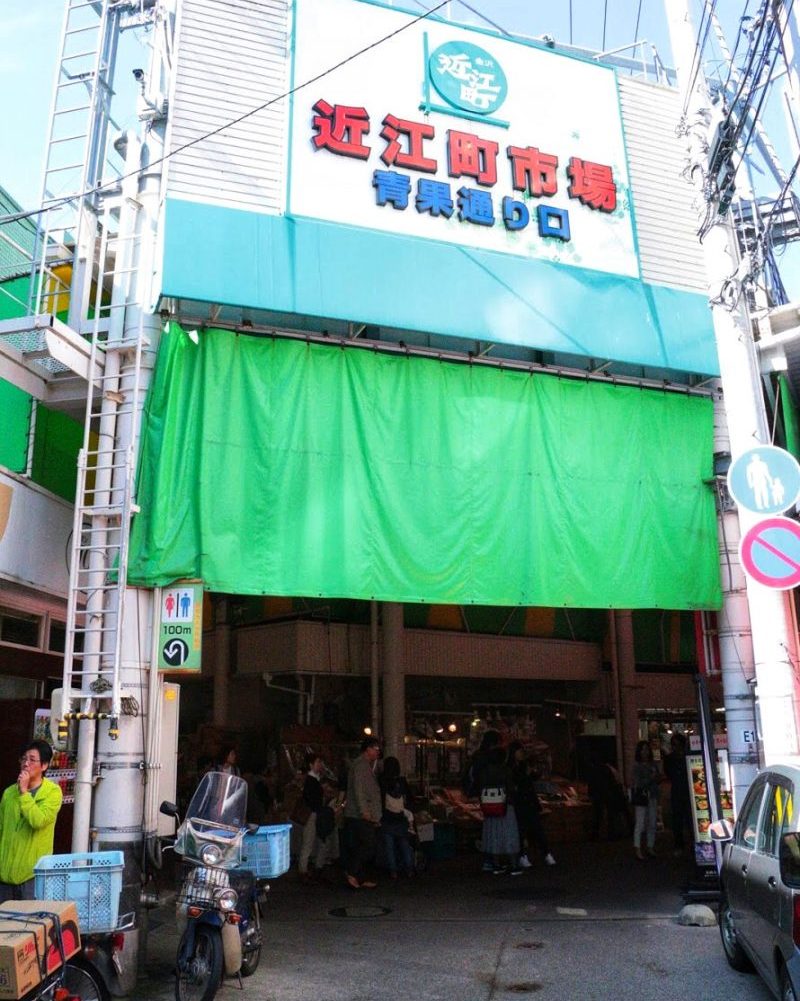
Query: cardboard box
[28, 944]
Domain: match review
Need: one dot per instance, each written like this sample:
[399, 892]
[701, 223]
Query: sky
[31, 34]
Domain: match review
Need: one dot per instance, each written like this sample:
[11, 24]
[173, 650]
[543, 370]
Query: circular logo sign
[770, 553]
[765, 480]
[175, 652]
[467, 77]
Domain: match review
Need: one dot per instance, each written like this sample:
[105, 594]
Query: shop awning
[272, 466]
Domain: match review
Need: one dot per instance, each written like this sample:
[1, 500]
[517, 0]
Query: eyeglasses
[29, 759]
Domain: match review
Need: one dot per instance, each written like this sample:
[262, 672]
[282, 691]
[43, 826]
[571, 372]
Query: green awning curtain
[281, 467]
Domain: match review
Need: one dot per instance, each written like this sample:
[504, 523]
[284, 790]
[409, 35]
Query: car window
[776, 818]
[746, 825]
[789, 842]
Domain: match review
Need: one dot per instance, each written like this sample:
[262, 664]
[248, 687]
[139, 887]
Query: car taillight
[796, 919]
[117, 942]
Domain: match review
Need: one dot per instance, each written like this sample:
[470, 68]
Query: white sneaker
[525, 862]
[549, 860]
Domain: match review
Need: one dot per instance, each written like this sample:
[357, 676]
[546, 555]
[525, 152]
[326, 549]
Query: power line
[699, 48]
[17, 217]
[483, 17]
[636, 29]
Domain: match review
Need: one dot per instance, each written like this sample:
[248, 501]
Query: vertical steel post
[744, 406]
[394, 680]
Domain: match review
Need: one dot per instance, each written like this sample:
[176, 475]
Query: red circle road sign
[770, 553]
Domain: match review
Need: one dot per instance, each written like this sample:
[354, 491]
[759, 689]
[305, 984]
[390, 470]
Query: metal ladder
[75, 158]
[103, 502]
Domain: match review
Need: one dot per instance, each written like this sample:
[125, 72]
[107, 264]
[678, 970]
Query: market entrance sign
[510, 149]
[181, 628]
[770, 553]
[765, 480]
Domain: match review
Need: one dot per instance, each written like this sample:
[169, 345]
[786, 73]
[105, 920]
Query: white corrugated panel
[666, 222]
[231, 56]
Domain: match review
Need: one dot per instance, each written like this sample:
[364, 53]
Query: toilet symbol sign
[765, 480]
[181, 627]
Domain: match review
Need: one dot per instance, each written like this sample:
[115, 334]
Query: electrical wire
[18, 216]
[699, 48]
[739, 33]
[483, 17]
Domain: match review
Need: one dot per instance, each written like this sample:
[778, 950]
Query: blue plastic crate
[266, 853]
[93, 880]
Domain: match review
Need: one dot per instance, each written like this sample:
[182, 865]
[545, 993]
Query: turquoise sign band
[304, 267]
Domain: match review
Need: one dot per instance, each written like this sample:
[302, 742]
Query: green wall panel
[15, 414]
[57, 441]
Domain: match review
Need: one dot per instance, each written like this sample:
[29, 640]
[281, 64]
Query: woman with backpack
[500, 833]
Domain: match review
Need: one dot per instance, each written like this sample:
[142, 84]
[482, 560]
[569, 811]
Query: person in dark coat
[680, 794]
[608, 800]
[527, 807]
[312, 801]
[394, 820]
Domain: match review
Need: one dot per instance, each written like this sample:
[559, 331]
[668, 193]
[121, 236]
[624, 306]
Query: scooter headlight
[226, 900]
[210, 854]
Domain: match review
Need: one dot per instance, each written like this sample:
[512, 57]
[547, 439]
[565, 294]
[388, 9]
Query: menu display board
[701, 814]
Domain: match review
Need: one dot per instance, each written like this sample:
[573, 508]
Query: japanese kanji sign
[498, 145]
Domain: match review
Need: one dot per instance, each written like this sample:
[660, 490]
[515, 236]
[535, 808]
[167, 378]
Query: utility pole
[789, 20]
[769, 623]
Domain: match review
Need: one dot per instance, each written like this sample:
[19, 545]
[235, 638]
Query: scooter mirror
[169, 809]
[721, 830]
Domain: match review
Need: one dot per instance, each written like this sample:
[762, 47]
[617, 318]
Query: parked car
[759, 913]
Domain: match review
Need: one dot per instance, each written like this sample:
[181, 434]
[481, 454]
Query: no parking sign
[770, 553]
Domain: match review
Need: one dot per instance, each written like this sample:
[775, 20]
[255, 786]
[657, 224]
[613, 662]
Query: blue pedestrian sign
[765, 480]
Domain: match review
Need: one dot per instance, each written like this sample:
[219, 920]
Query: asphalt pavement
[599, 925]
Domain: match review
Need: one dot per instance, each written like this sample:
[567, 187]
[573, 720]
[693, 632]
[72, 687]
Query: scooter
[218, 900]
[98, 969]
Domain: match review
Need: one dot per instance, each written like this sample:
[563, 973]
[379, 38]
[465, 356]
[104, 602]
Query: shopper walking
[312, 800]
[362, 813]
[500, 832]
[527, 807]
[394, 820]
[28, 812]
[471, 780]
[608, 798]
[228, 761]
[679, 796]
[644, 796]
